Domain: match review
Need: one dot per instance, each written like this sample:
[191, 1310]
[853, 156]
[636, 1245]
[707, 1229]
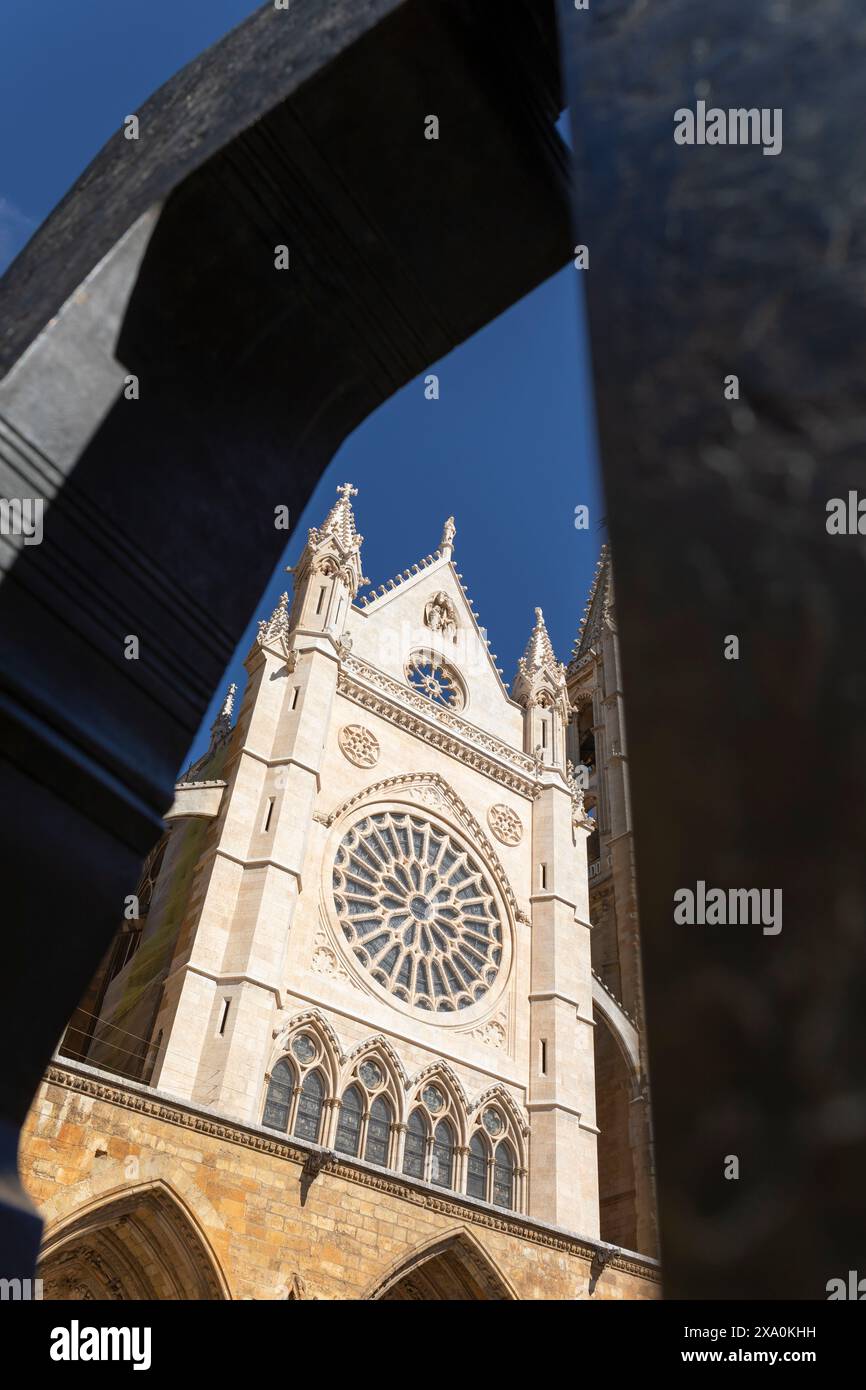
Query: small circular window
[304, 1048]
[436, 679]
[417, 911]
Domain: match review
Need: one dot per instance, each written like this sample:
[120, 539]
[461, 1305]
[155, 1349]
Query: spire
[222, 725]
[538, 670]
[596, 614]
[277, 626]
[446, 545]
[539, 649]
[340, 521]
[220, 731]
[225, 713]
[336, 542]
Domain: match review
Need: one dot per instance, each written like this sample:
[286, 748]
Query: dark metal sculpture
[711, 260]
[166, 386]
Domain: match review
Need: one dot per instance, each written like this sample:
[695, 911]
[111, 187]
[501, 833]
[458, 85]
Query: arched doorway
[141, 1245]
[454, 1268]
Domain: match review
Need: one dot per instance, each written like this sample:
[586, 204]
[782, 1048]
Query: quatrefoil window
[417, 911]
[435, 679]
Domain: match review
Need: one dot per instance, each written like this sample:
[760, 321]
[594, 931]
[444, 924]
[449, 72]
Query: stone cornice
[131, 1096]
[228, 977]
[184, 786]
[375, 691]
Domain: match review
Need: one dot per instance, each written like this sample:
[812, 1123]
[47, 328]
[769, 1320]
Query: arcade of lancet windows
[365, 1107]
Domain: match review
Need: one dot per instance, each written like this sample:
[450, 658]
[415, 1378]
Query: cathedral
[372, 1025]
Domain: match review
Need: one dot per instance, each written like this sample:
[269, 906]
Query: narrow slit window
[542, 875]
[542, 1056]
[269, 811]
[224, 1016]
[295, 693]
[321, 603]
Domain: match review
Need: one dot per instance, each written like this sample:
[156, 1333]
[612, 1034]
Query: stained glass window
[433, 1099]
[503, 1176]
[379, 1132]
[304, 1048]
[279, 1098]
[435, 679]
[371, 1074]
[442, 1166]
[476, 1183]
[418, 911]
[308, 1121]
[349, 1124]
[416, 1145]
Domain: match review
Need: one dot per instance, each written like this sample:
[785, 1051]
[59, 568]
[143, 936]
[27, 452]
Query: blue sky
[509, 446]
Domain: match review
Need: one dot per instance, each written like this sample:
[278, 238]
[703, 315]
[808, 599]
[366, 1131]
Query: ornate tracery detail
[505, 824]
[435, 679]
[418, 911]
[359, 744]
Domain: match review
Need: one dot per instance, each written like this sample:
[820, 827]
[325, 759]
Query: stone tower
[597, 744]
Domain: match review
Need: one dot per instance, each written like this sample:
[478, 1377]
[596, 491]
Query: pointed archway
[454, 1267]
[142, 1244]
[615, 1090]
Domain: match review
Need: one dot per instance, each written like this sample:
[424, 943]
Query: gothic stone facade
[345, 1045]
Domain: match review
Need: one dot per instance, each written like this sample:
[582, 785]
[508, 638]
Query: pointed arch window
[379, 1132]
[278, 1102]
[348, 1135]
[503, 1176]
[416, 1145]
[442, 1161]
[308, 1121]
[476, 1171]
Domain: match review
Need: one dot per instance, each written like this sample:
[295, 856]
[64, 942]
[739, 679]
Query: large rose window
[417, 911]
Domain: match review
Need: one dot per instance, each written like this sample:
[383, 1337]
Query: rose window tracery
[418, 911]
[435, 679]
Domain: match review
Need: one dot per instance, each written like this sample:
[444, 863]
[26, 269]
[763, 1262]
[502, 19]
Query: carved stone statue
[440, 616]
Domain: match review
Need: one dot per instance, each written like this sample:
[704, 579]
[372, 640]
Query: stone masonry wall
[90, 1140]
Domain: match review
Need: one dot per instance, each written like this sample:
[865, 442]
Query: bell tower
[233, 979]
[564, 1187]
